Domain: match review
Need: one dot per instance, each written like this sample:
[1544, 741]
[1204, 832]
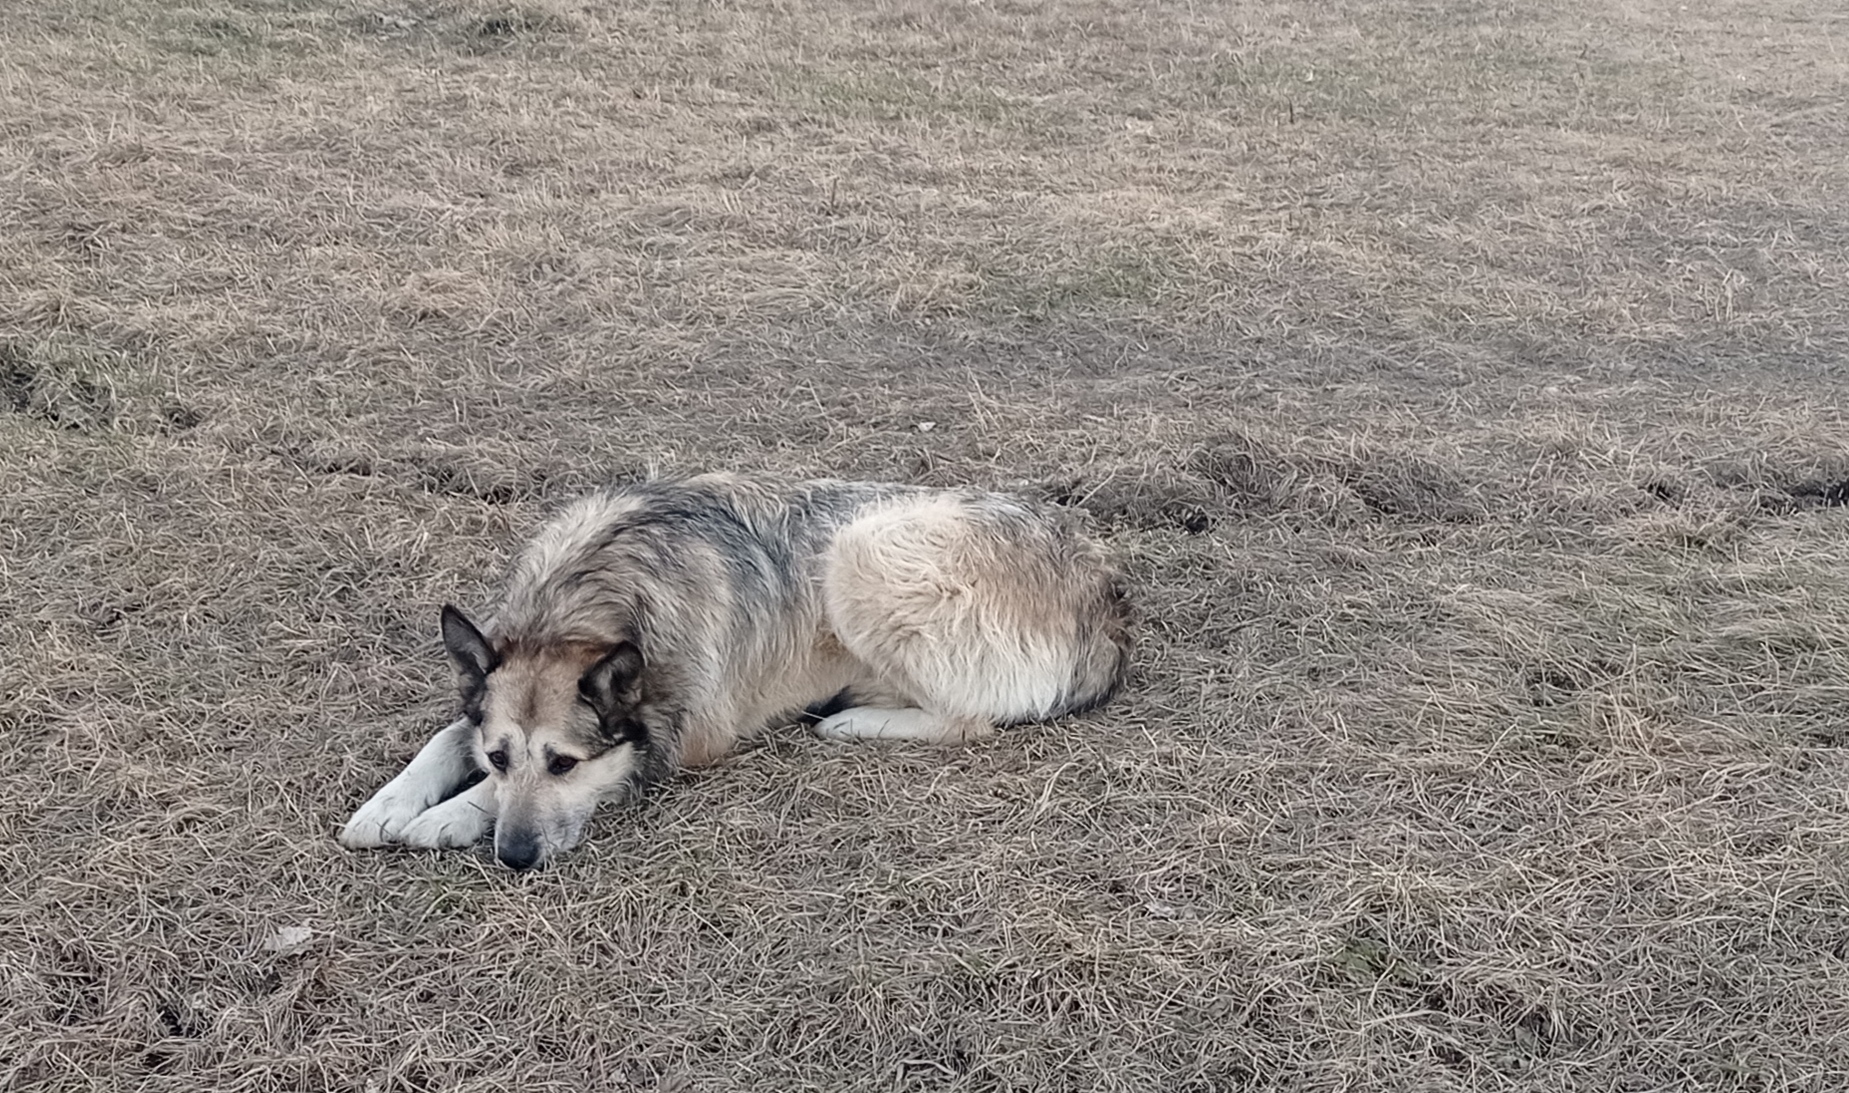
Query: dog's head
[559, 728]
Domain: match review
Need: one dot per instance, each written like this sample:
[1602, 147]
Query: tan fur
[943, 613]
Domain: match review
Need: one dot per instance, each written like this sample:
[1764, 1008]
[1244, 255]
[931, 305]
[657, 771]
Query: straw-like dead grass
[1464, 385]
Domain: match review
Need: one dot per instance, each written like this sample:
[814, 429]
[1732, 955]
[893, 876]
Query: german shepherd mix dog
[652, 627]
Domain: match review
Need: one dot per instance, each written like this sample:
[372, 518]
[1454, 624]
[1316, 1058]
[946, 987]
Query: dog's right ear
[610, 684]
[468, 648]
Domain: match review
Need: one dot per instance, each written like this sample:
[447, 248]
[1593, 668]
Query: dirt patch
[1258, 474]
[1825, 494]
[17, 379]
[492, 30]
[1143, 498]
[57, 385]
[482, 474]
[1255, 474]
[1413, 489]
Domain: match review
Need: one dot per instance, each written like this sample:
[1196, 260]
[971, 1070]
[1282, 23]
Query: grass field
[1464, 383]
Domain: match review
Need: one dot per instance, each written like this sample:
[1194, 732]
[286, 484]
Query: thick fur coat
[653, 626]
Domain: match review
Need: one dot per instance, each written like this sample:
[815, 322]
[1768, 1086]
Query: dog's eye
[499, 758]
[561, 764]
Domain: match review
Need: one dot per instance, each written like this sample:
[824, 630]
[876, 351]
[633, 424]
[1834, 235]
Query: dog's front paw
[381, 820]
[458, 822]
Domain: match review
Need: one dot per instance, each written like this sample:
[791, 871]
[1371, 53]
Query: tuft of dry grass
[1463, 386]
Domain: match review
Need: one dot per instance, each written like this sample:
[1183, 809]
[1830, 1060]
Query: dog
[651, 627]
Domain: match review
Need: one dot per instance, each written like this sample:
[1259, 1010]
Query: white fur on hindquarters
[876, 723]
[439, 767]
[461, 821]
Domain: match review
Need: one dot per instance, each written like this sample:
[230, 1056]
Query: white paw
[829, 728]
[456, 823]
[875, 723]
[841, 728]
[380, 820]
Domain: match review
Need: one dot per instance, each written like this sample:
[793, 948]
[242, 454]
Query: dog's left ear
[610, 684]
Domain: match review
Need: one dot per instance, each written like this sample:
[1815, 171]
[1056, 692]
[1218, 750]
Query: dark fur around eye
[561, 764]
[498, 757]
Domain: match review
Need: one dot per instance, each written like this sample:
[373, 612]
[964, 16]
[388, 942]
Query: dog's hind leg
[878, 723]
[460, 821]
[962, 611]
[439, 769]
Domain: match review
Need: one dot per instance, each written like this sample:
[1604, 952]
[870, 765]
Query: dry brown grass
[1465, 384]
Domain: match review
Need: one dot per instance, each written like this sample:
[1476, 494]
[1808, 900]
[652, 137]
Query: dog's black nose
[518, 856]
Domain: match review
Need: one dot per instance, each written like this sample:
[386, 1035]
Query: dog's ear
[610, 684]
[468, 648]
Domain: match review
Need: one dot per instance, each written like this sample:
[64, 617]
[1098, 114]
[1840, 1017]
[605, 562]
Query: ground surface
[1464, 383]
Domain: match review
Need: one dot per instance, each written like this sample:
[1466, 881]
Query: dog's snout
[518, 855]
